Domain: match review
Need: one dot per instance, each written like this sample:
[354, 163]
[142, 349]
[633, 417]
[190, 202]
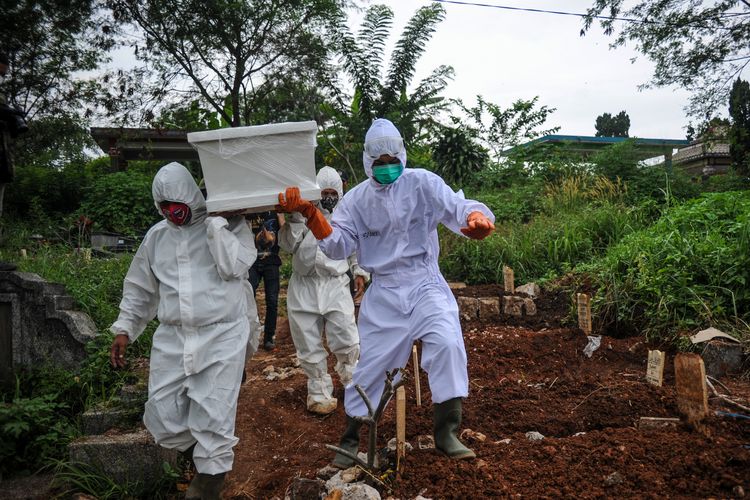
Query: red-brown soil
[523, 378]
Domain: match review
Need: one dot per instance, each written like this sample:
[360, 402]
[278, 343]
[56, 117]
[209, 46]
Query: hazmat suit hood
[382, 138]
[328, 178]
[173, 182]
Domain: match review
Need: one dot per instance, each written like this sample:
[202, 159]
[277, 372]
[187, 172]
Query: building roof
[584, 145]
[700, 150]
[145, 144]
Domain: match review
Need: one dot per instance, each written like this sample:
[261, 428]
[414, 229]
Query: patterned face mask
[177, 213]
[328, 202]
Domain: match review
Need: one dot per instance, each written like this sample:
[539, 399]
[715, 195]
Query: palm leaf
[409, 48]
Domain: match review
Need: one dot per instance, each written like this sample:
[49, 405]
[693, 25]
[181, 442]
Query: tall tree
[701, 45]
[229, 54]
[739, 132]
[712, 130]
[50, 45]
[385, 92]
[499, 129]
[612, 126]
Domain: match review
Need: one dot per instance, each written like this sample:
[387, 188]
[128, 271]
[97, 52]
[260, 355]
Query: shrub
[51, 191]
[688, 270]
[121, 202]
[517, 203]
[550, 244]
[457, 156]
[31, 433]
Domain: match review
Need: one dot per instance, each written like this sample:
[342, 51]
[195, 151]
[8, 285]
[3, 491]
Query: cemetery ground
[527, 375]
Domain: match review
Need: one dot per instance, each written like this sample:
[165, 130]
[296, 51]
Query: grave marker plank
[508, 280]
[584, 313]
[415, 362]
[400, 427]
[690, 381]
[655, 368]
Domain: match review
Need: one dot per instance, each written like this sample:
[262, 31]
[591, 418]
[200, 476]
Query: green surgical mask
[386, 174]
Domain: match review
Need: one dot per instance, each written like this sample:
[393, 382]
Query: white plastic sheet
[245, 168]
[594, 342]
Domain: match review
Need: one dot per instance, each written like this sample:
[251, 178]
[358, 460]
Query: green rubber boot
[205, 487]
[195, 490]
[349, 442]
[212, 486]
[447, 420]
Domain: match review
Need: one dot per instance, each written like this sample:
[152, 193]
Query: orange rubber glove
[478, 226]
[292, 201]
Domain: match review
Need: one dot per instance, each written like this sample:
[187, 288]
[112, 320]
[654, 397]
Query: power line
[577, 14]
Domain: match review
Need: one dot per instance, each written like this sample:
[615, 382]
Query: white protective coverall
[192, 277]
[318, 296]
[393, 229]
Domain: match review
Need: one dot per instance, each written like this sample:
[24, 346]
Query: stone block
[518, 306]
[100, 420]
[41, 325]
[134, 394]
[58, 302]
[456, 285]
[468, 308]
[306, 489]
[530, 289]
[489, 308]
[124, 457]
[721, 357]
[513, 306]
[529, 307]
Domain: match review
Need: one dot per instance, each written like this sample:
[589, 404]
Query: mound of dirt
[521, 380]
[553, 307]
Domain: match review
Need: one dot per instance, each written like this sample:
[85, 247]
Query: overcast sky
[506, 55]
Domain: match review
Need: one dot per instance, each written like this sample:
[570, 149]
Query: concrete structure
[38, 324]
[124, 458]
[585, 146]
[127, 144]
[703, 158]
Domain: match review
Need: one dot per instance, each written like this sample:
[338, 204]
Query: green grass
[689, 270]
[545, 247]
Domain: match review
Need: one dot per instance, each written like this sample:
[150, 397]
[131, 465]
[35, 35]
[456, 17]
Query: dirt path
[521, 380]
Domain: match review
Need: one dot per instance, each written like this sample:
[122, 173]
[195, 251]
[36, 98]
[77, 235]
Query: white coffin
[245, 168]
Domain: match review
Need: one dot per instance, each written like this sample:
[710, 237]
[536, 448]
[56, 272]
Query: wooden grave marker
[690, 381]
[655, 367]
[415, 362]
[400, 427]
[584, 313]
[508, 280]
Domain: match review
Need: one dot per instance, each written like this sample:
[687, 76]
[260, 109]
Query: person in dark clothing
[266, 227]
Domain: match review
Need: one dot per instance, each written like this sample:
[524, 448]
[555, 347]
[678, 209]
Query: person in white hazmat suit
[391, 221]
[190, 271]
[318, 296]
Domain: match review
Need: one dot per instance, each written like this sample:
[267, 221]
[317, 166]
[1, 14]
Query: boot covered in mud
[205, 487]
[321, 406]
[446, 421]
[346, 360]
[349, 442]
[320, 398]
